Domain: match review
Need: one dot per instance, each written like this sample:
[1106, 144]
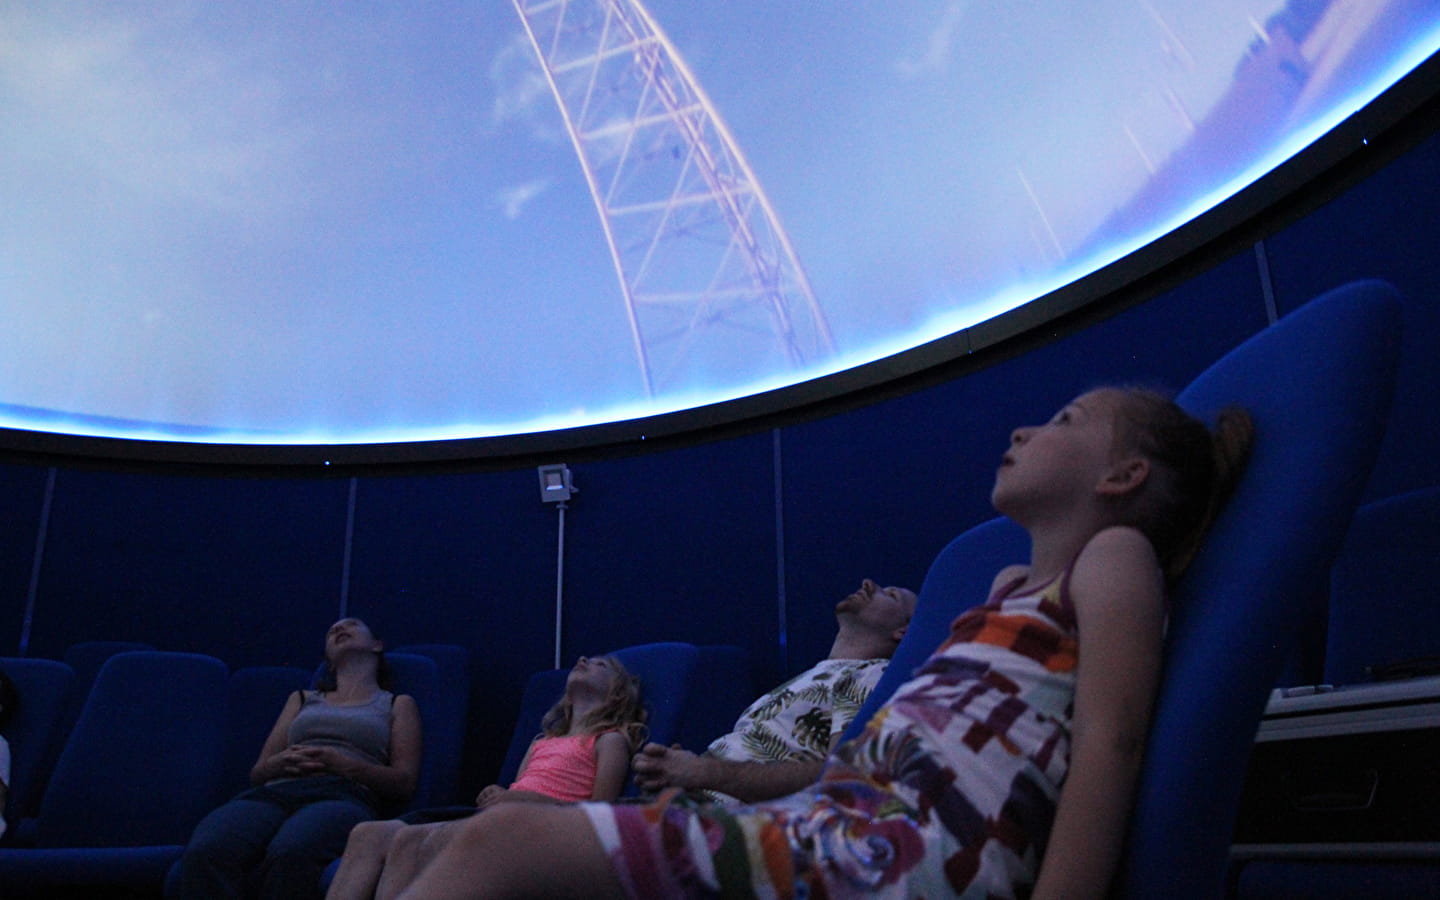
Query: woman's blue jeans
[283, 835]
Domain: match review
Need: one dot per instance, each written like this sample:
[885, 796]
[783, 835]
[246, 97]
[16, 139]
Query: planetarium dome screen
[363, 223]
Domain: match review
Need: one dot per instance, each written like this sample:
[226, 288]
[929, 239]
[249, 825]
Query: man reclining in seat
[780, 742]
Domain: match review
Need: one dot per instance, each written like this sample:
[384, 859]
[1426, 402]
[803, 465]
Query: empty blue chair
[35, 731]
[1382, 624]
[140, 768]
[86, 658]
[1383, 605]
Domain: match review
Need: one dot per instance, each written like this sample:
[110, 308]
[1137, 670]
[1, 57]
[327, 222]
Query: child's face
[1061, 460]
[593, 671]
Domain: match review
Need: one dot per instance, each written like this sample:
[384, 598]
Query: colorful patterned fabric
[949, 791]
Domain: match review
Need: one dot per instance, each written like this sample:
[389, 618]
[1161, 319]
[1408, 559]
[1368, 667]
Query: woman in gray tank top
[337, 756]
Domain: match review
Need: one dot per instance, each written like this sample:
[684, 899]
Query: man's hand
[657, 767]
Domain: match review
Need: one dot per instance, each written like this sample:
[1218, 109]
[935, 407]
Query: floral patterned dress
[949, 791]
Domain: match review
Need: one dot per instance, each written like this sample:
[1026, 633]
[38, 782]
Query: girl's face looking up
[596, 672]
[1062, 460]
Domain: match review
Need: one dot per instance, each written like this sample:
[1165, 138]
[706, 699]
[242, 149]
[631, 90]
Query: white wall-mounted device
[555, 483]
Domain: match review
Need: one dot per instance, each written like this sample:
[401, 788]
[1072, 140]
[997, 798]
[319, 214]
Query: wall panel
[23, 488]
[675, 546]
[1388, 226]
[245, 569]
[467, 560]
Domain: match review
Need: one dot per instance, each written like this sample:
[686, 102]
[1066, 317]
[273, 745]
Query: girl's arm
[1118, 592]
[496, 793]
[1006, 576]
[612, 764]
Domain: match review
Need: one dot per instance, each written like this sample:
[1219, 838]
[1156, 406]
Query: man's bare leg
[518, 850]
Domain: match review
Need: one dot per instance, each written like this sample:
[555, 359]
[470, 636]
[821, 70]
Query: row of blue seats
[1381, 625]
[108, 796]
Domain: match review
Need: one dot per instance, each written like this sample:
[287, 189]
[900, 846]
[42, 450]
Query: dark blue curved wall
[747, 541]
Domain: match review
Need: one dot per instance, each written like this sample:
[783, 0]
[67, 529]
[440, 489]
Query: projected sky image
[367, 222]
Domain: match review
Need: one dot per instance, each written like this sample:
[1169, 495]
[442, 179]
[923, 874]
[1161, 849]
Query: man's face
[882, 608]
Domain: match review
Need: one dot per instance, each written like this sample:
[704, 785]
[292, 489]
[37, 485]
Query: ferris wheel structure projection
[712, 287]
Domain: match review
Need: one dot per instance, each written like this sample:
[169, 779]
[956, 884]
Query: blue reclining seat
[86, 658]
[1382, 602]
[35, 731]
[1383, 624]
[139, 770]
[1319, 384]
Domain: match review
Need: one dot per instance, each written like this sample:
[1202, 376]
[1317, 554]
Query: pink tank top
[561, 767]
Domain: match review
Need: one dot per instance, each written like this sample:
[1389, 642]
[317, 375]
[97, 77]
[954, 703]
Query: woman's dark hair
[1193, 470]
[9, 699]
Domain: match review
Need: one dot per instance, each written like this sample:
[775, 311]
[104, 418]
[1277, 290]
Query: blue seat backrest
[86, 658]
[445, 728]
[35, 731]
[541, 691]
[723, 688]
[419, 677]
[256, 694]
[142, 764]
[1318, 384]
[666, 671]
[1383, 604]
[958, 579]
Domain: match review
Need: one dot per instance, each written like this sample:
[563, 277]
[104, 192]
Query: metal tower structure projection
[713, 290]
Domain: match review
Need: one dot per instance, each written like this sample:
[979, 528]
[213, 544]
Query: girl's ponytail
[1230, 443]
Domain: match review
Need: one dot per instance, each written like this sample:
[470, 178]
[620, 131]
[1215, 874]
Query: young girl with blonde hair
[582, 753]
